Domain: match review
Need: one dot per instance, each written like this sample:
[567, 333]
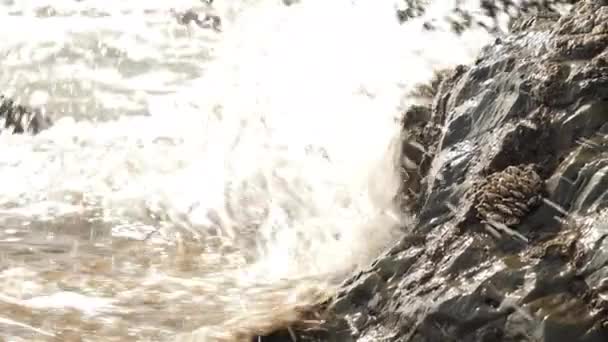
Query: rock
[21, 119]
[290, 2]
[532, 110]
[419, 139]
[209, 21]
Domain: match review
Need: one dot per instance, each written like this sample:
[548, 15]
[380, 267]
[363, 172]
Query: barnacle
[505, 197]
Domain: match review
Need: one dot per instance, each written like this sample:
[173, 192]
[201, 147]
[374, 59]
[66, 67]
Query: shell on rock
[508, 195]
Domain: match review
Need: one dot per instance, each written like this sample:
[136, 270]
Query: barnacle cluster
[507, 196]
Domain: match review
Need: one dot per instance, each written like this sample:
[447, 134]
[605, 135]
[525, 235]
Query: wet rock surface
[17, 118]
[205, 21]
[533, 106]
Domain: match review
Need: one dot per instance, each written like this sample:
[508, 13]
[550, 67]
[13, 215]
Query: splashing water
[200, 181]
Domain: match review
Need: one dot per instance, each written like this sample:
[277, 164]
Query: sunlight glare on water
[198, 180]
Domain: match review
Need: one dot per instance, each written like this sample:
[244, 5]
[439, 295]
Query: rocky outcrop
[21, 119]
[510, 199]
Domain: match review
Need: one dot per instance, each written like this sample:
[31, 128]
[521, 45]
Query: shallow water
[198, 180]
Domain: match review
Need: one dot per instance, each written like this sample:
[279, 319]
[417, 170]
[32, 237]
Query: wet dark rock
[534, 106]
[290, 2]
[206, 21]
[21, 119]
[419, 140]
